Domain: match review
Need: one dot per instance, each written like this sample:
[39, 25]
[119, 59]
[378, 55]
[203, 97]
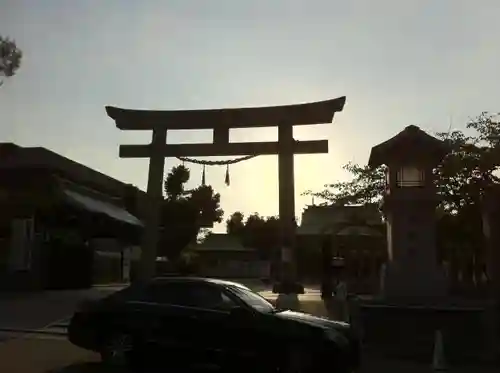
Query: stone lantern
[409, 206]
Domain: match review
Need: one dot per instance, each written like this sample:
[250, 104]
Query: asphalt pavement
[54, 331]
[44, 315]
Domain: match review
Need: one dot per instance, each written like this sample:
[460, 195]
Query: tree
[366, 186]
[130, 199]
[257, 232]
[235, 224]
[185, 213]
[10, 58]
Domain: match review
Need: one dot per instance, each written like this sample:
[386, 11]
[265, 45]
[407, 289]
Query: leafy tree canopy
[10, 58]
[258, 232]
[185, 212]
[130, 199]
[235, 224]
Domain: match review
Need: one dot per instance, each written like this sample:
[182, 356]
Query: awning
[101, 207]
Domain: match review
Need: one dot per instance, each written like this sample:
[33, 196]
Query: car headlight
[337, 337]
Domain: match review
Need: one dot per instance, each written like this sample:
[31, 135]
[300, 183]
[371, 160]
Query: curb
[31, 331]
[110, 285]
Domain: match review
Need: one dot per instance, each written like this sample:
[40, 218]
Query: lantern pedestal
[402, 282]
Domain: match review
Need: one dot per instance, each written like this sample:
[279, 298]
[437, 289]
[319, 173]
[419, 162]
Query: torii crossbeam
[221, 121]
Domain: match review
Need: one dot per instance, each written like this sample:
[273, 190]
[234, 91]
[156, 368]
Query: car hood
[312, 320]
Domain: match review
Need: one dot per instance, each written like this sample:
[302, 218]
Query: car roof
[215, 281]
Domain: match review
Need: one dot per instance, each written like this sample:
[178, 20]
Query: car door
[166, 328]
[226, 336]
[209, 310]
[173, 320]
[126, 311]
[253, 334]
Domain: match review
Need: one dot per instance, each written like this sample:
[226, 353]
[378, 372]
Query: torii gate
[221, 121]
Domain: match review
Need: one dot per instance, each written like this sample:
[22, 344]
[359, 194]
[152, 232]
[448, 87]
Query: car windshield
[252, 299]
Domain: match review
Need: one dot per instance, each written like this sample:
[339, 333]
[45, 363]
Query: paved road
[59, 356]
[43, 315]
[55, 331]
[40, 309]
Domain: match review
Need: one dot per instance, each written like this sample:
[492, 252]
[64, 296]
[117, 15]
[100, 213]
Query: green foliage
[262, 233]
[471, 165]
[235, 224]
[366, 186]
[206, 204]
[487, 127]
[185, 213]
[175, 181]
[10, 58]
[130, 199]
[258, 232]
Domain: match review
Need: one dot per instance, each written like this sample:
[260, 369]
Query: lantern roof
[412, 145]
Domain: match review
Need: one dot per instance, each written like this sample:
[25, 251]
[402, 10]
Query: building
[61, 223]
[356, 234]
[223, 255]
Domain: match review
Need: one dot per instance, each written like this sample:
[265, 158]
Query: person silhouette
[341, 294]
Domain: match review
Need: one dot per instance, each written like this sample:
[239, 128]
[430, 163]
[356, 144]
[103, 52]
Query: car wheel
[117, 350]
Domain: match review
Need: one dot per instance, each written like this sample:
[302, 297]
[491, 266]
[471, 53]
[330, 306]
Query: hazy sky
[399, 62]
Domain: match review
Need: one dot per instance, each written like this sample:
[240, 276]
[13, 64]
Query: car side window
[210, 297]
[161, 293]
[204, 296]
[130, 293]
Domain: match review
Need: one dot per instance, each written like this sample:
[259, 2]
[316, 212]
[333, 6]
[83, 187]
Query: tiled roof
[321, 219]
[15, 156]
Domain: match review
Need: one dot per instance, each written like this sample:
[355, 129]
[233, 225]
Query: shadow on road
[89, 367]
[96, 367]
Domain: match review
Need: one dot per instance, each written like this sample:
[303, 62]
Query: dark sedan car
[181, 321]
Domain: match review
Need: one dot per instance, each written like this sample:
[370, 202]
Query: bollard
[439, 363]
